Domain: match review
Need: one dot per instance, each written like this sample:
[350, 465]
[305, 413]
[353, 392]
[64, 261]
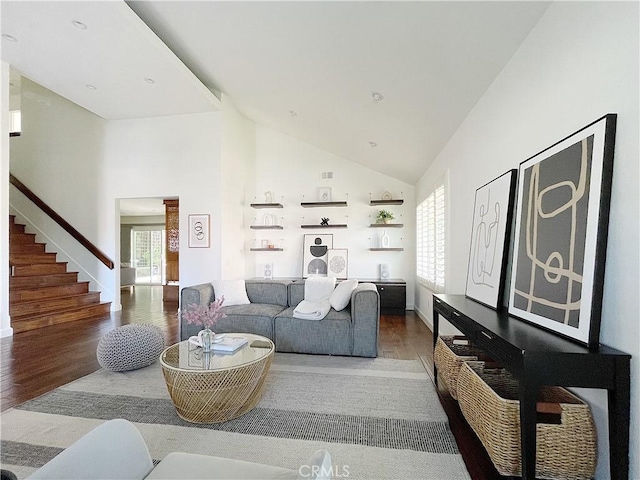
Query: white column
[5, 320]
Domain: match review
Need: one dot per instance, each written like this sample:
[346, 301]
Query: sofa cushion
[296, 292]
[341, 296]
[329, 336]
[268, 291]
[233, 291]
[253, 318]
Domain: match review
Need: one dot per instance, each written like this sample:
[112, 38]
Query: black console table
[538, 358]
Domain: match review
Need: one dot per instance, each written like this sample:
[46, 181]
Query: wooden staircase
[41, 291]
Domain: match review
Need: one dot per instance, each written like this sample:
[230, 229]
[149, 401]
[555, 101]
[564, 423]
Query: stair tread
[59, 297]
[22, 288]
[61, 311]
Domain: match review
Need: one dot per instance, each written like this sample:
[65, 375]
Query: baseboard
[424, 319]
[6, 332]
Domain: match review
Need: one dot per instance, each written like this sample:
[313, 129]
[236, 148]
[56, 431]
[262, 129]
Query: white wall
[238, 173]
[5, 320]
[177, 156]
[291, 168]
[580, 62]
[81, 165]
[57, 157]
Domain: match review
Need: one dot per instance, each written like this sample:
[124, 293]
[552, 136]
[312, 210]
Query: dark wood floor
[35, 362]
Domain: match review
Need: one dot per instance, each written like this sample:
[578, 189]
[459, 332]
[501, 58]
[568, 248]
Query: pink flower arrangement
[205, 315]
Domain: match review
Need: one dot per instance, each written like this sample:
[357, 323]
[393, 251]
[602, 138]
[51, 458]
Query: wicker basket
[449, 357]
[489, 402]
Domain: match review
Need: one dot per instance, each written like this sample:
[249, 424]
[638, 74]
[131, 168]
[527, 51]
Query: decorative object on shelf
[324, 194]
[264, 243]
[268, 271]
[268, 197]
[490, 235]
[338, 263]
[384, 271]
[207, 316]
[384, 240]
[384, 216]
[315, 254]
[199, 231]
[561, 233]
[387, 196]
[270, 220]
[324, 222]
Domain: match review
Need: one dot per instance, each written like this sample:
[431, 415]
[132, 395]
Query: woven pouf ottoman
[130, 347]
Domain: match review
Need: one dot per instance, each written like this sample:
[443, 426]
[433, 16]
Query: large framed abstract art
[490, 235]
[315, 254]
[561, 233]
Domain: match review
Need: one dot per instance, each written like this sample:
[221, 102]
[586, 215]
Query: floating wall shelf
[323, 204]
[267, 227]
[338, 225]
[386, 225]
[386, 202]
[386, 249]
[267, 205]
[266, 249]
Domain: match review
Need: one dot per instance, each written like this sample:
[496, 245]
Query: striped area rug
[379, 418]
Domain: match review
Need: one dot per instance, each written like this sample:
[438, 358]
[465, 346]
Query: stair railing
[62, 222]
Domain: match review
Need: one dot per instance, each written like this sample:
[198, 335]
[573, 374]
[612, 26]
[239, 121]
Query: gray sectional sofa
[352, 331]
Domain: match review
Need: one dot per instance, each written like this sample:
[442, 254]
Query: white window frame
[431, 238]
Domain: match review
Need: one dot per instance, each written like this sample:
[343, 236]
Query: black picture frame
[490, 237]
[560, 248]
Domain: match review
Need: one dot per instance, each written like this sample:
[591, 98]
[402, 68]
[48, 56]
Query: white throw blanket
[315, 305]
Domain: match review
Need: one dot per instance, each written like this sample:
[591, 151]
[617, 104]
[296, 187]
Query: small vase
[206, 339]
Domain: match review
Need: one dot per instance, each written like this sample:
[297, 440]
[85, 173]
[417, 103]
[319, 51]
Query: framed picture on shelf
[324, 194]
[561, 233]
[490, 235]
[199, 231]
[338, 263]
[315, 254]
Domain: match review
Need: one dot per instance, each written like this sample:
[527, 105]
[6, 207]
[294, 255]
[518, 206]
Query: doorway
[148, 254]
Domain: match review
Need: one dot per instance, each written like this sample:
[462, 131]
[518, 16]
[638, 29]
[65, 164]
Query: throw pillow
[317, 289]
[234, 292]
[341, 296]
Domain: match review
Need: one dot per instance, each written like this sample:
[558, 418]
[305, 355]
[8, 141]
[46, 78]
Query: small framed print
[199, 231]
[338, 263]
[324, 194]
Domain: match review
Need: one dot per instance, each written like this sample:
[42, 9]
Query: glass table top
[187, 356]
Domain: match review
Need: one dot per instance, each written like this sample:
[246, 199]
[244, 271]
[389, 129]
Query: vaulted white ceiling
[431, 61]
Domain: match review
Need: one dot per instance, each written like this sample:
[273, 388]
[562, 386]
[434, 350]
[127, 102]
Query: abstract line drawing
[558, 249]
[489, 239]
[486, 244]
[562, 267]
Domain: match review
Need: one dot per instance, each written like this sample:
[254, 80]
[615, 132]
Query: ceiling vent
[326, 175]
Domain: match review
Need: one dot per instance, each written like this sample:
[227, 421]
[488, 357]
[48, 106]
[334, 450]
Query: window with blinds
[430, 227]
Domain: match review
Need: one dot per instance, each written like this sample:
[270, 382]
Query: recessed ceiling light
[293, 113]
[79, 25]
[91, 87]
[377, 96]
[150, 81]
[373, 144]
[11, 38]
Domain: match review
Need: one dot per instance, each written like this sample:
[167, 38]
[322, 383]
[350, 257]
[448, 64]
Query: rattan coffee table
[216, 387]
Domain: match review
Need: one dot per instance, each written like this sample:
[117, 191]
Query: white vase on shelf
[384, 240]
